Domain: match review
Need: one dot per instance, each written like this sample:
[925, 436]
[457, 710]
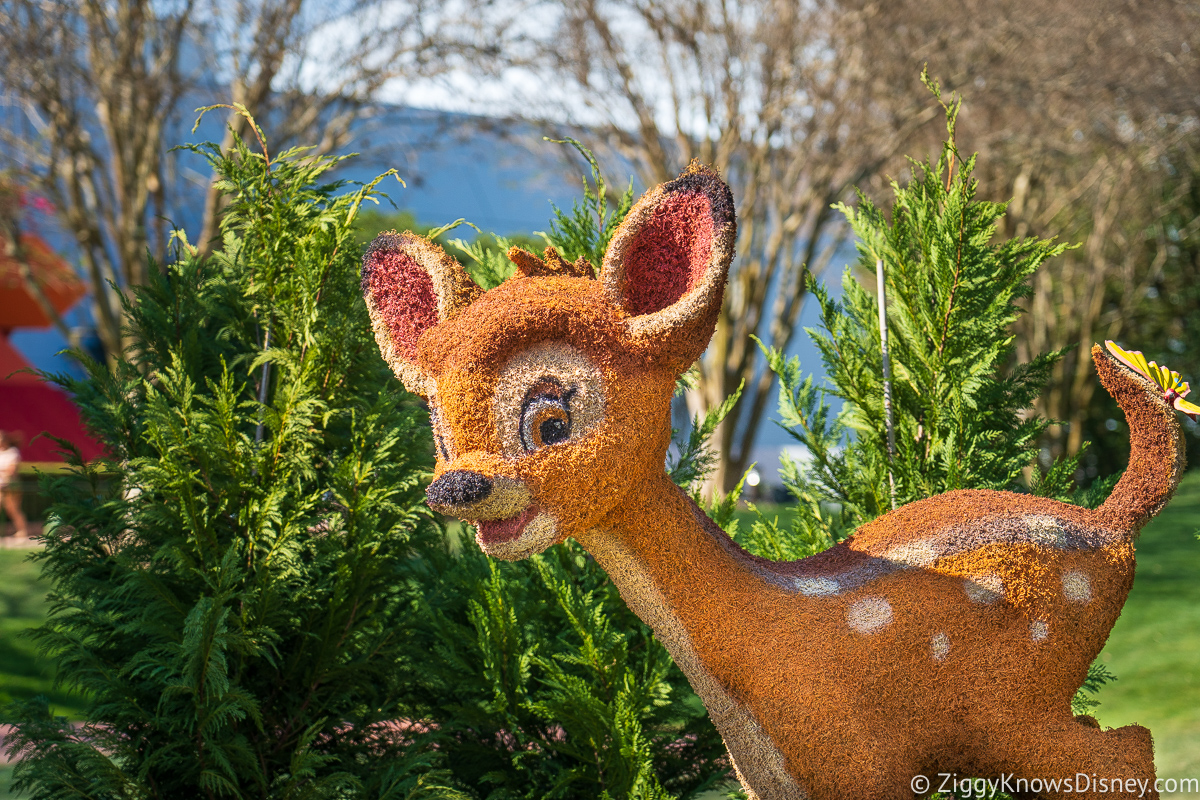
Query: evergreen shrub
[229, 593]
[959, 399]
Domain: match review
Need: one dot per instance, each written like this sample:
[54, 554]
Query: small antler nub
[529, 265]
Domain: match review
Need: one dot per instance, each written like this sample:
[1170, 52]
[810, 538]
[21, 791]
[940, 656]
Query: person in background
[10, 496]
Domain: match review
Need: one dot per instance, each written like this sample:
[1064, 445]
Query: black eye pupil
[546, 415]
[554, 430]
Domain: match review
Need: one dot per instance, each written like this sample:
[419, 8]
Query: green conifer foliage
[228, 592]
[541, 683]
[590, 226]
[959, 402]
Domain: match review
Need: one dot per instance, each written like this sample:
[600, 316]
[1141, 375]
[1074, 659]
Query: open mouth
[495, 531]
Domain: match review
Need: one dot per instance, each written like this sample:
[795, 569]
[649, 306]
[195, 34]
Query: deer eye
[546, 395]
[545, 416]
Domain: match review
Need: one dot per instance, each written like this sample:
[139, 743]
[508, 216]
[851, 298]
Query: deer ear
[666, 265]
[411, 284]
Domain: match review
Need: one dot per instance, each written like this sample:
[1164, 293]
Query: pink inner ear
[402, 294]
[671, 253]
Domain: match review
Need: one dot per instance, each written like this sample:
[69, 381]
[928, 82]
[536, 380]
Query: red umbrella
[28, 404]
[59, 283]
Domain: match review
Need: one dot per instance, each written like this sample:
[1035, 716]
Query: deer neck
[682, 575]
[698, 590]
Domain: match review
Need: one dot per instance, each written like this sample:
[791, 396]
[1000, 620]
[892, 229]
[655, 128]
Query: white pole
[266, 378]
[887, 374]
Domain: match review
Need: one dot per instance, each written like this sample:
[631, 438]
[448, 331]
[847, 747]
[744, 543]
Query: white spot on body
[817, 587]
[940, 646]
[1045, 530]
[869, 614]
[985, 589]
[1077, 586]
[1038, 630]
[914, 554]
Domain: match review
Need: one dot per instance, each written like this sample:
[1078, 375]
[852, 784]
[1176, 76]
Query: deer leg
[1098, 764]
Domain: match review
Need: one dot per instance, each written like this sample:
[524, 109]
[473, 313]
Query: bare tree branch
[784, 100]
[92, 85]
[1082, 116]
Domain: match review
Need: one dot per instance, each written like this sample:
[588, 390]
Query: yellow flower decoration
[1173, 386]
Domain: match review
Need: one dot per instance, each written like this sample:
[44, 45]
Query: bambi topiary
[949, 635]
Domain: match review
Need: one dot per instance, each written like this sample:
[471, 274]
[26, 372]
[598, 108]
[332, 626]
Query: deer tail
[1156, 457]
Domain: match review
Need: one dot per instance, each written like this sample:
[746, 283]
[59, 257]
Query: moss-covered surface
[1154, 649]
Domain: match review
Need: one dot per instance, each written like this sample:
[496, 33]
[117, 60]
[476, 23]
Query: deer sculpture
[947, 636]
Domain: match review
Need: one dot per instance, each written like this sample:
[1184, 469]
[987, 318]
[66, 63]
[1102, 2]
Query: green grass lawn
[1154, 649]
[23, 674]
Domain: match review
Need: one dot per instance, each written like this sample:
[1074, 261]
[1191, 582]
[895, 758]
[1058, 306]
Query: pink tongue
[493, 531]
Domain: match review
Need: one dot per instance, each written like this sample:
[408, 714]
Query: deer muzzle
[471, 495]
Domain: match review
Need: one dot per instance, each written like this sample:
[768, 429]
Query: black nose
[458, 488]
